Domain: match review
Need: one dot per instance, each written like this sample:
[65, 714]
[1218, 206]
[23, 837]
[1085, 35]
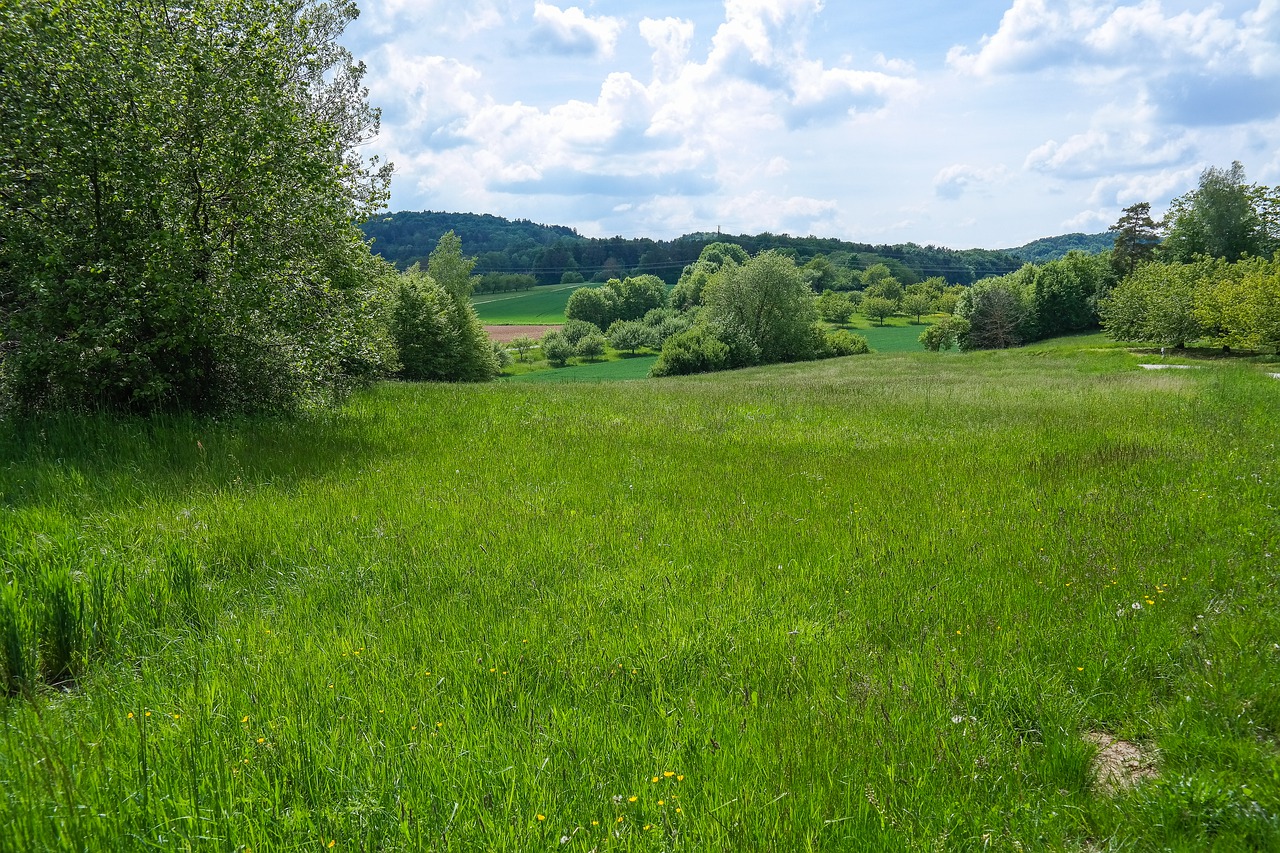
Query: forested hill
[549, 252]
[1053, 248]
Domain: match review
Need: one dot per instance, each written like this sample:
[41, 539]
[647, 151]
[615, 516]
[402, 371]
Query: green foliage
[1053, 248]
[572, 277]
[618, 299]
[1233, 305]
[693, 280]
[177, 220]
[767, 299]
[591, 346]
[878, 308]
[834, 307]
[1218, 219]
[944, 334]
[631, 335]
[998, 311]
[842, 342]
[697, 350]
[576, 330]
[522, 345]
[1063, 294]
[1136, 238]
[916, 305]
[436, 332]
[665, 322]
[1155, 304]
[556, 348]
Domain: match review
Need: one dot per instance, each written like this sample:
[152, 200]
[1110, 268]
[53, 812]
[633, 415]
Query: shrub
[557, 349]
[591, 346]
[843, 342]
[696, 350]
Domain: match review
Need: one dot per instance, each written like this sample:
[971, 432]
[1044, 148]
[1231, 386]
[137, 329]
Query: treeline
[1055, 248]
[1209, 271]
[553, 254]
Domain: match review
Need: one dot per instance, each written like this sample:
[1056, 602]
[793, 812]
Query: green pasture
[541, 306]
[628, 367]
[874, 603]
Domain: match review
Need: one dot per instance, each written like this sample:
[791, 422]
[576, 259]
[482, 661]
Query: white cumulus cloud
[571, 31]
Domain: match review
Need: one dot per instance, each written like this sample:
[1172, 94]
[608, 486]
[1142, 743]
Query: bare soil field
[507, 334]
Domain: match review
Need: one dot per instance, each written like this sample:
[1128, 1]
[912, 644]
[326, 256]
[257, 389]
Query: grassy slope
[871, 603]
[540, 306]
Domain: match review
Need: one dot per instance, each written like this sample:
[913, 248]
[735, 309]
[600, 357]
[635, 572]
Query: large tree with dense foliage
[997, 311]
[1218, 219]
[688, 290]
[176, 218]
[437, 333]
[769, 299]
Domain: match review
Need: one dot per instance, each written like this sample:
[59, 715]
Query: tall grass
[872, 603]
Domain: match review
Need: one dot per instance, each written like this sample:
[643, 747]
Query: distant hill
[549, 251]
[1052, 248]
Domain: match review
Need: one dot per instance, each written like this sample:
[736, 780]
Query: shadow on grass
[98, 460]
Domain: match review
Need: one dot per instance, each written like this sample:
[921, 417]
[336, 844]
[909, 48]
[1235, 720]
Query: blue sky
[979, 124]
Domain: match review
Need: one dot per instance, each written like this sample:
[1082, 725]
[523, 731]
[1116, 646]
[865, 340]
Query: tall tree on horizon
[1137, 236]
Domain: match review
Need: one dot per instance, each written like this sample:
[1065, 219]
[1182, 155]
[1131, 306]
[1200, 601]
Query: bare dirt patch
[507, 334]
[1119, 764]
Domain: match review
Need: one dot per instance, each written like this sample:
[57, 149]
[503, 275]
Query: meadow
[539, 306]
[874, 603]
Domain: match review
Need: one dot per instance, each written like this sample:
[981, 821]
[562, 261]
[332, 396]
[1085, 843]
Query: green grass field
[540, 306]
[873, 603]
[632, 367]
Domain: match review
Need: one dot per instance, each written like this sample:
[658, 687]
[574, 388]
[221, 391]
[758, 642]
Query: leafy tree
[823, 275]
[834, 307]
[591, 346]
[948, 299]
[1217, 219]
[472, 359]
[557, 349]
[576, 330]
[1137, 237]
[630, 335]
[522, 346]
[885, 288]
[637, 296]
[688, 290]
[1239, 304]
[878, 308]
[875, 274]
[595, 305]
[944, 334]
[1156, 304]
[769, 300]
[177, 213]
[571, 277]
[662, 323]
[917, 305]
[436, 332]
[996, 310]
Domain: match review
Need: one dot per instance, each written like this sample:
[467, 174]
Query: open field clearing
[891, 602]
[541, 306]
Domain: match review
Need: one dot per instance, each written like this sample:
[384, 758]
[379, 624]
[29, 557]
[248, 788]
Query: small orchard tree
[590, 347]
[834, 307]
[630, 335]
[916, 305]
[522, 345]
[557, 349]
[878, 308]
